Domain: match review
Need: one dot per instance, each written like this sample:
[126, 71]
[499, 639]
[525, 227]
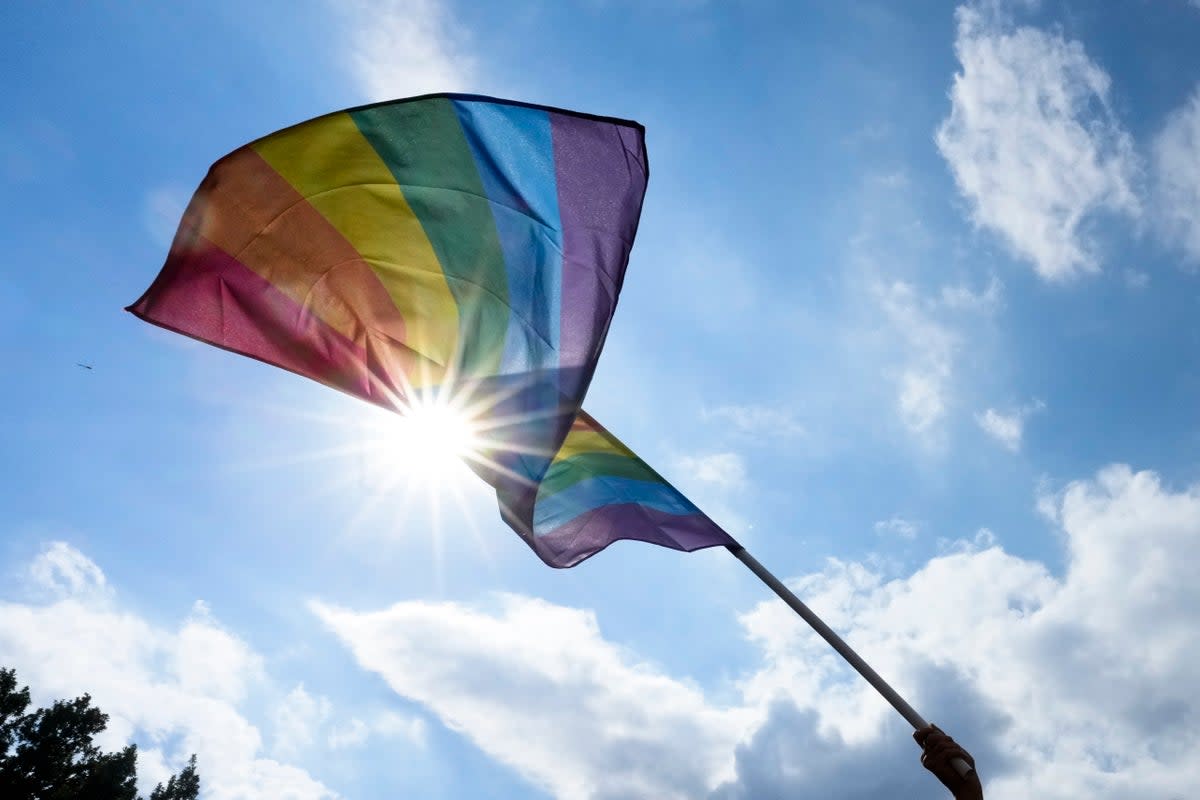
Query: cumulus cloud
[177, 690]
[1063, 686]
[1032, 143]
[1038, 669]
[401, 48]
[1176, 163]
[537, 687]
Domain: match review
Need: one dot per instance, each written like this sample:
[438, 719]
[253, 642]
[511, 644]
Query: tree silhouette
[48, 753]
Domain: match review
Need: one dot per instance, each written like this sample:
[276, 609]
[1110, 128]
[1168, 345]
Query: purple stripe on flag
[590, 533]
[601, 175]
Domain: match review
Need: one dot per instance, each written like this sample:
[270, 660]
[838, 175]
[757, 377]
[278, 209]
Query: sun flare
[428, 442]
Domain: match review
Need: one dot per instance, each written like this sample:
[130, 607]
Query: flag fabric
[597, 491]
[448, 243]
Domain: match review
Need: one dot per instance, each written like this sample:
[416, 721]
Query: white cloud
[401, 48]
[1032, 142]
[714, 481]
[922, 401]
[62, 571]
[1081, 685]
[923, 385]
[897, 526]
[1176, 161]
[303, 719]
[536, 687]
[208, 660]
[1007, 428]
[177, 690]
[297, 720]
[982, 540]
[1064, 704]
[723, 469]
[1004, 428]
[756, 420]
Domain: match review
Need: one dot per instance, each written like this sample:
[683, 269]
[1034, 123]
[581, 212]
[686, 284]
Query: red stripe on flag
[205, 293]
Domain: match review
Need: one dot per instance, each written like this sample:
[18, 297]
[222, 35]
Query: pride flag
[443, 243]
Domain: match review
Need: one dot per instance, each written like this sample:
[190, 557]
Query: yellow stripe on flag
[330, 164]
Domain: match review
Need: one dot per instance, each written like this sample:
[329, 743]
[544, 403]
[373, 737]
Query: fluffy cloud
[62, 571]
[1176, 160]
[401, 48]
[1035, 670]
[1079, 685]
[176, 690]
[536, 687]
[1032, 143]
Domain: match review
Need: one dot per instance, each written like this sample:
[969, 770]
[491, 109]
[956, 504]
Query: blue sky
[912, 312]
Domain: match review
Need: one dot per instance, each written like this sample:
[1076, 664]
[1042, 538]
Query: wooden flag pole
[837, 643]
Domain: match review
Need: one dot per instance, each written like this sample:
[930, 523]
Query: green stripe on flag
[578, 468]
[423, 145]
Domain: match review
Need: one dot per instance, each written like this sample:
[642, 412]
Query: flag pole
[837, 643]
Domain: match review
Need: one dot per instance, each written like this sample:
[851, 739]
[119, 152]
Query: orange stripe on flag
[248, 210]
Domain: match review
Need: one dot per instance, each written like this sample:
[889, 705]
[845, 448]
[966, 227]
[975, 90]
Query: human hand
[939, 750]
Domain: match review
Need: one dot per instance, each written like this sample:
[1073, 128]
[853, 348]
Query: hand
[939, 749]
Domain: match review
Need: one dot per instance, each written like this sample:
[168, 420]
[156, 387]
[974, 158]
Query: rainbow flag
[596, 491]
[442, 243]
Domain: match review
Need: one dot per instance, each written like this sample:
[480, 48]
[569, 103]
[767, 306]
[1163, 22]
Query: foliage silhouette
[49, 753]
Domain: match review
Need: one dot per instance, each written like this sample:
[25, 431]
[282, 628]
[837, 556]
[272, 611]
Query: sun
[427, 442]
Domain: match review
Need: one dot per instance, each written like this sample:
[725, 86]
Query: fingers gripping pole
[838, 644]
